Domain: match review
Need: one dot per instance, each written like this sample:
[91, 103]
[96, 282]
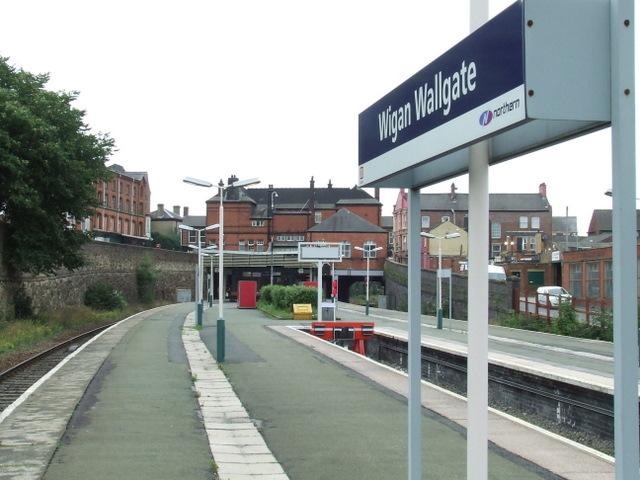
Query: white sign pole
[478, 296]
[319, 290]
[625, 333]
[415, 364]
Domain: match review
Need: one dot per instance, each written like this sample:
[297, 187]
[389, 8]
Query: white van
[495, 271]
[555, 295]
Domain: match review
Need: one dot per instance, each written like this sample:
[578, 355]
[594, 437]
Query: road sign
[319, 251]
[444, 273]
[512, 81]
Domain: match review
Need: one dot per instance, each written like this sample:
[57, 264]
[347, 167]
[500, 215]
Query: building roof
[165, 214]
[195, 220]
[299, 198]
[134, 175]
[564, 224]
[508, 202]
[601, 221]
[387, 222]
[346, 221]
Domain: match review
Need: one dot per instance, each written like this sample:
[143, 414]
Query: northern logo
[486, 117]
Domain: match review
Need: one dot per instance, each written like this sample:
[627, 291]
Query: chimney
[232, 179]
[176, 210]
[312, 184]
[376, 193]
[330, 185]
[312, 203]
[452, 195]
[185, 211]
[542, 190]
[161, 208]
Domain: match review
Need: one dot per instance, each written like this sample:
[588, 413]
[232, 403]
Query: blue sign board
[557, 51]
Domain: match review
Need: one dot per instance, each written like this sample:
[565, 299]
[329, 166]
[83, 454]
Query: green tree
[49, 163]
[168, 242]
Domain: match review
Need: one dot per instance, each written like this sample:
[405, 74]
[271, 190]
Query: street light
[220, 327]
[199, 275]
[445, 237]
[367, 253]
[274, 194]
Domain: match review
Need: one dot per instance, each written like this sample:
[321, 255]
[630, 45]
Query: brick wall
[113, 263]
[395, 278]
[356, 262]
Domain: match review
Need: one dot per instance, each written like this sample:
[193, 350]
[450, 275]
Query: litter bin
[328, 311]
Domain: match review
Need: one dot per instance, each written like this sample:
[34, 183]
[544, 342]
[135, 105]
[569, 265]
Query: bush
[103, 296]
[284, 297]
[146, 279]
[567, 322]
[22, 306]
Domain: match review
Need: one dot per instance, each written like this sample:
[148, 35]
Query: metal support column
[415, 364]
[478, 296]
[625, 333]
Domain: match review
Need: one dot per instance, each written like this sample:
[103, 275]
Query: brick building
[520, 222]
[271, 221]
[123, 214]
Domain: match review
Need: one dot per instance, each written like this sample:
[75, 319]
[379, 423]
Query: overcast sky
[267, 89]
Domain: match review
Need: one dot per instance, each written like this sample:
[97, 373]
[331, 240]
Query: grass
[25, 334]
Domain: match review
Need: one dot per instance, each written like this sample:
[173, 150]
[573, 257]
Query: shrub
[284, 297]
[266, 294]
[103, 296]
[146, 279]
[22, 306]
[567, 322]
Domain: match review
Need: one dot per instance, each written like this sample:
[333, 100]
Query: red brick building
[123, 214]
[273, 220]
[520, 222]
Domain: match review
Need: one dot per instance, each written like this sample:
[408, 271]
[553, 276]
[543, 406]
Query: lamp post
[274, 194]
[367, 253]
[445, 237]
[220, 326]
[199, 283]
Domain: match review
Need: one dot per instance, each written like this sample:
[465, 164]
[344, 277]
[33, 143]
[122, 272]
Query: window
[257, 223]
[192, 237]
[532, 244]
[522, 243]
[608, 279]
[575, 279]
[496, 230]
[346, 250]
[524, 222]
[535, 223]
[260, 246]
[444, 218]
[495, 249]
[369, 247]
[250, 245]
[318, 217]
[241, 245]
[426, 221]
[593, 280]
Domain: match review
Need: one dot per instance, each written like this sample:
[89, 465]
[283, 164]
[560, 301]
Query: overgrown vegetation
[24, 334]
[102, 296]
[146, 276]
[278, 300]
[567, 323]
[358, 293]
[168, 242]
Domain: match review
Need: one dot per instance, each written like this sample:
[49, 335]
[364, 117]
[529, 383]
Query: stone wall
[501, 294]
[113, 263]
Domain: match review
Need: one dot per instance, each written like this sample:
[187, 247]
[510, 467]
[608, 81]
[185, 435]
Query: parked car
[554, 294]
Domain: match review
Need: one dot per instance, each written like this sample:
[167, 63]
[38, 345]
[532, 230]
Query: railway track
[16, 380]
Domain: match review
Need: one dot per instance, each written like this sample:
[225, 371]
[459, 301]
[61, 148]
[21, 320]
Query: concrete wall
[395, 279]
[113, 263]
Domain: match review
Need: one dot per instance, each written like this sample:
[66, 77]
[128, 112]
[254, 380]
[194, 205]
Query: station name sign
[474, 89]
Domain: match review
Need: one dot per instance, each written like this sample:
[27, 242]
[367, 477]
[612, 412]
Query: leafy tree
[49, 163]
[168, 242]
